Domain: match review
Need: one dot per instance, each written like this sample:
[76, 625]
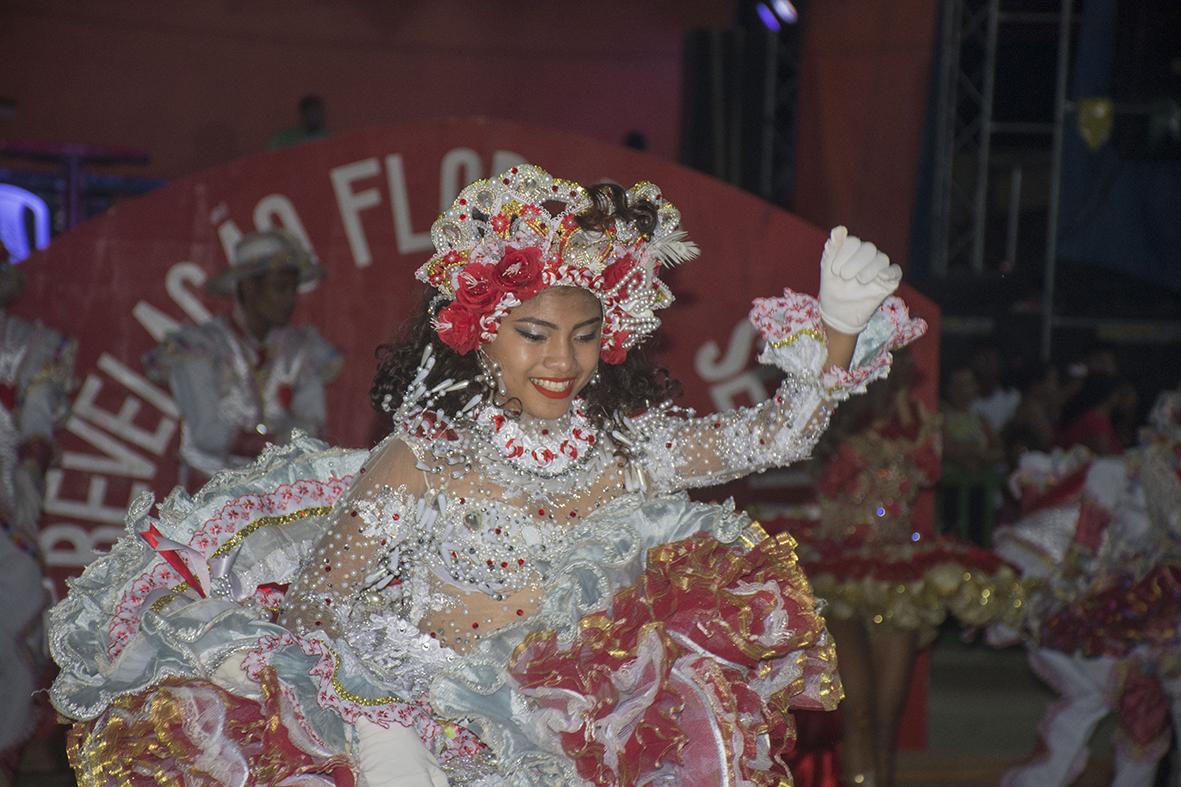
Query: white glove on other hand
[395, 757]
[854, 280]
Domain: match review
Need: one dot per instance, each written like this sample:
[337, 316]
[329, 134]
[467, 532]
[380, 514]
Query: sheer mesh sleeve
[685, 451]
[372, 522]
[681, 451]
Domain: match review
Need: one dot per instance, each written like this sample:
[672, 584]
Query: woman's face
[548, 349]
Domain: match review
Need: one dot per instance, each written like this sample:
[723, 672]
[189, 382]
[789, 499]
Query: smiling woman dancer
[513, 587]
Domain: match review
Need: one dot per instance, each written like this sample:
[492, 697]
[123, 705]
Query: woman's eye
[588, 337]
[531, 337]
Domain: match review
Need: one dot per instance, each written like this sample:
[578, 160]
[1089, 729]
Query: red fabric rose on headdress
[617, 272]
[519, 272]
[459, 328]
[479, 291]
[614, 352]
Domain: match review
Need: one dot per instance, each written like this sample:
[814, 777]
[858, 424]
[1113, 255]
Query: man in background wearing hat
[36, 371]
[249, 378]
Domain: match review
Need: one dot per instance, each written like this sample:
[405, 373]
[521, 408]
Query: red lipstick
[567, 382]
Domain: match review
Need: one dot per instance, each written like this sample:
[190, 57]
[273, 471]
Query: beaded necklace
[540, 459]
[539, 447]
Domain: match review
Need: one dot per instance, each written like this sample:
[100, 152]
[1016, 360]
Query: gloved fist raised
[854, 280]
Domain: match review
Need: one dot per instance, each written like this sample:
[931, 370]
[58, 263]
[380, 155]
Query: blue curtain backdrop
[1116, 213]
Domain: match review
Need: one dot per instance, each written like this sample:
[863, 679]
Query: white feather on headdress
[674, 248]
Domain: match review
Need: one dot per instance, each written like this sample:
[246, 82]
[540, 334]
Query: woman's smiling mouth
[554, 388]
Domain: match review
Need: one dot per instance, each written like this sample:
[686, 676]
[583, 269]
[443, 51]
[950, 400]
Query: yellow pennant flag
[1096, 116]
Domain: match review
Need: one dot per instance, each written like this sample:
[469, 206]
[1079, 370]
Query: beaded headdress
[507, 238]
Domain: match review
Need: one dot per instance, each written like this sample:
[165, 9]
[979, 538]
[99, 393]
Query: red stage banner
[364, 202]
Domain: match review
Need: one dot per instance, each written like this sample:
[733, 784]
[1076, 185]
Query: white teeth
[550, 385]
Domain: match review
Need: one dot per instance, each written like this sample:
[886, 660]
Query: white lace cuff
[795, 341]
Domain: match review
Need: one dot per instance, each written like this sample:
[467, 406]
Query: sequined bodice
[448, 529]
[480, 549]
[488, 564]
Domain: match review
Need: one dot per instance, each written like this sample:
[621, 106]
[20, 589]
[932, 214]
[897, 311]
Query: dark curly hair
[608, 203]
[623, 389]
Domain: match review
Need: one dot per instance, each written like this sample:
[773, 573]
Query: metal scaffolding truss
[758, 140]
[967, 69]
[963, 136]
[742, 91]
[780, 127]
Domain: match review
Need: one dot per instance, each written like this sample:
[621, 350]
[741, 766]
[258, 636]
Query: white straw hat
[259, 252]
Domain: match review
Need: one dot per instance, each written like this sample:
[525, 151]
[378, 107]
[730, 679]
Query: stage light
[15, 203]
[767, 17]
[785, 11]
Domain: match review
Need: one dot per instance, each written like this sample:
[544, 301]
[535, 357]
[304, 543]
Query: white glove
[395, 757]
[854, 280]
